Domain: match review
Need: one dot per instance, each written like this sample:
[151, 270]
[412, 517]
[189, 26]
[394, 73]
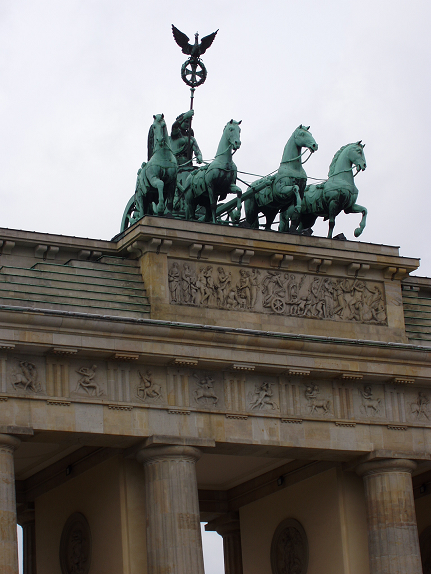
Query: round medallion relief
[289, 548]
[75, 545]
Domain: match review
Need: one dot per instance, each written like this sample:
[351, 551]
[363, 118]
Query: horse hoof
[358, 232]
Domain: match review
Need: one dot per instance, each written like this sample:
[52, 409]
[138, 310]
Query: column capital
[9, 442]
[224, 524]
[386, 465]
[148, 455]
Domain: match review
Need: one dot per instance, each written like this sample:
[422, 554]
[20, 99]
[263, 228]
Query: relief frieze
[276, 292]
[27, 375]
[147, 389]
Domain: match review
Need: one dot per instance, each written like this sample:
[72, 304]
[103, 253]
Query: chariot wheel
[277, 305]
[193, 72]
[128, 216]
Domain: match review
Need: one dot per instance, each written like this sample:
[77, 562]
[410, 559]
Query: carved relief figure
[174, 283]
[87, 382]
[420, 407]
[27, 378]
[147, 389]
[254, 286]
[243, 289]
[206, 286]
[262, 397]
[272, 286]
[189, 288]
[204, 392]
[314, 403]
[370, 405]
[224, 281]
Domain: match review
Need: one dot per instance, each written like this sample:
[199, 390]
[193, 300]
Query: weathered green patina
[184, 145]
[337, 193]
[169, 183]
[157, 178]
[212, 183]
[284, 190]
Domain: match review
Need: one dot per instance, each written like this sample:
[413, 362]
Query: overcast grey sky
[80, 81]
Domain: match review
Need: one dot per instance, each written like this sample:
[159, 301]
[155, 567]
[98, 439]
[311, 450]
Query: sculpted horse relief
[316, 404]
[371, 405]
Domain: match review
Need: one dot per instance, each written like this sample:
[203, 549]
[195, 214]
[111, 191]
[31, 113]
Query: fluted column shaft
[228, 526]
[8, 538]
[174, 544]
[393, 540]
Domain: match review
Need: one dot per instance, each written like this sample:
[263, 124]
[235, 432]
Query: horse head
[232, 134]
[159, 131]
[356, 155]
[303, 138]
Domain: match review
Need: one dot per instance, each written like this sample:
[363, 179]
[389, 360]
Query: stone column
[26, 519]
[228, 527]
[8, 539]
[393, 540]
[174, 544]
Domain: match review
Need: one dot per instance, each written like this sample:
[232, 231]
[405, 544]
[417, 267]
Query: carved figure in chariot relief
[87, 382]
[262, 397]
[206, 285]
[314, 304]
[205, 390]
[254, 286]
[376, 304]
[189, 288]
[272, 285]
[27, 378]
[315, 404]
[243, 289]
[174, 278]
[370, 406]
[147, 389]
[420, 407]
[224, 281]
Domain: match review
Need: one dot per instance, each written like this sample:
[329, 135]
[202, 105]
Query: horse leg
[283, 226]
[188, 203]
[251, 212]
[212, 200]
[161, 205]
[332, 213]
[170, 192]
[270, 216]
[359, 209]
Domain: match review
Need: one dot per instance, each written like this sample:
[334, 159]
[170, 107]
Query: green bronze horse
[157, 178]
[212, 183]
[284, 190]
[337, 193]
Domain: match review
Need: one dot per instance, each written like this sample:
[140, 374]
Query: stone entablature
[344, 400]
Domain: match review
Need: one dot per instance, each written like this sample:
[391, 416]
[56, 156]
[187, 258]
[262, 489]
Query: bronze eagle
[194, 50]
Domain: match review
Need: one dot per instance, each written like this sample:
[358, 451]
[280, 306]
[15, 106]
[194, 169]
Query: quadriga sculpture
[338, 193]
[157, 178]
[284, 190]
[211, 183]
